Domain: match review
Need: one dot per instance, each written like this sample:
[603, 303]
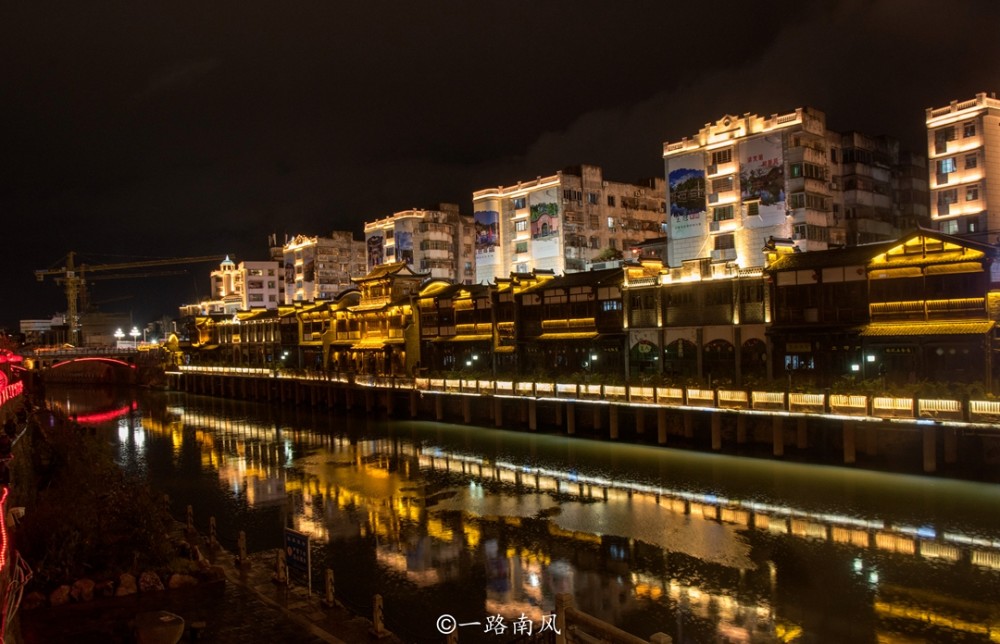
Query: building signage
[297, 554]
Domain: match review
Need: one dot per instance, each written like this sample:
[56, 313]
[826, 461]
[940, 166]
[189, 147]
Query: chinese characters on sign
[447, 624]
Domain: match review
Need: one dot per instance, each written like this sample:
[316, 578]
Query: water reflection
[475, 523]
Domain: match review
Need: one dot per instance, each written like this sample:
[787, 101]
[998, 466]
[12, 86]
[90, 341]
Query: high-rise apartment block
[437, 241]
[318, 268]
[562, 222]
[963, 152]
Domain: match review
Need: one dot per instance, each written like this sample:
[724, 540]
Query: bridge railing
[986, 412]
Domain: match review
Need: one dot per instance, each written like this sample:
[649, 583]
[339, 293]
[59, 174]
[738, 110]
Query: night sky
[172, 129]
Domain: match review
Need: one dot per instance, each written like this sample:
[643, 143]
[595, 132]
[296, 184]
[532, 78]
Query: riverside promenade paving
[246, 608]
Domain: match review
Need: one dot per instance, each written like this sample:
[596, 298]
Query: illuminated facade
[963, 151]
[246, 286]
[562, 223]
[438, 242]
[744, 179]
[318, 268]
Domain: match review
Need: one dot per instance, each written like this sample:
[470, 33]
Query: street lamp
[119, 335]
[135, 334]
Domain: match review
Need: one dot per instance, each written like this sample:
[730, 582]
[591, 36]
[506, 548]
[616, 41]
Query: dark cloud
[165, 129]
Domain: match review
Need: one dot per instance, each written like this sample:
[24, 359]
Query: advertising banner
[762, 175]
[545, 224]
[487, 226]
[404, 246]
[375, 250]
[686, 192]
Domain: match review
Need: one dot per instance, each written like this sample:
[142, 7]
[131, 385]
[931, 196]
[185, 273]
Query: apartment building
[319, 268]
[438, 241]
[562, 222]
[963, 152]
[744, 179]
[246, 286]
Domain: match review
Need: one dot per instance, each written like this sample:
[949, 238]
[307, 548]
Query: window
[753, 208]
[519, 203]
[797, 200]
[947, 196]
[612, 244]
[722, 213]
[611, 223]
[467, 249]
[833, 155]
[595, 221]
[611, 200]
[969, 129]
[521, 247]
[592, 198]
[973, 225]
[521, 226]
[970, 161]
[725, 242]
[950, 227]
[796, 170]
[595, 243]
[945, 166]
[972, 193]
[389, 234]
[724, 184]
[722, 156]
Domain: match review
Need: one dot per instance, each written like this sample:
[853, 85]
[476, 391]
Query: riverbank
[244, 607]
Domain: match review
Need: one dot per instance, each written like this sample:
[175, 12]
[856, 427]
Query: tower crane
[74, 277]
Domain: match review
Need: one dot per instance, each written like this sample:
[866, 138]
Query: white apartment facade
[319, 268]
[563, 222]
[744, 179]
[437, 241]
[963, 153]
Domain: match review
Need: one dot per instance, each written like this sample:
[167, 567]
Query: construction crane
[74, 277]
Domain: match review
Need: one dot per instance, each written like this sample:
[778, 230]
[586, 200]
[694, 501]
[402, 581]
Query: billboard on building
[375, 244]
[686, 193]
[544, 225]
[762, 175]
[404, 246]
[487, 226]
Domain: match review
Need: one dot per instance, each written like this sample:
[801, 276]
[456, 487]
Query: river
[471, 522]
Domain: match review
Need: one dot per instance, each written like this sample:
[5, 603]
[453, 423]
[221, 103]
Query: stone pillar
[930, 449]
[848, 440]
[439, 408]
[801, 438]
[570, 419]
[950, 446]
[661, 426]
[466, 410]
[533, 414]
[613, 421]
[716, 431]
[871, 440]
[741, 429]
[778, 435]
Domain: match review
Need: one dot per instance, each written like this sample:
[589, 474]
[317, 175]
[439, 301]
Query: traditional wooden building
[389, 341]
[923, 307]
[456, 327]
[572, 323]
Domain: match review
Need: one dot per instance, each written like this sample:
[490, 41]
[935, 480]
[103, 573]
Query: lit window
[723, 213]
[722, 156]
[611, 223]
[972, 193]
[945, 166]
[725, 242]
[519, 203]
[521, 226]
[969, 129]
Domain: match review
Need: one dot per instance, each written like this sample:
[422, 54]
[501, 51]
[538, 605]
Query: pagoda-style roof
[604, 277]
[921, 247]
[395, 269]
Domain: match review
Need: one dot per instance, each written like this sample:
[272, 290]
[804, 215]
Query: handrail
[983, 412]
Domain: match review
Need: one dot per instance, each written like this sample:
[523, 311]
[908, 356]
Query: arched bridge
[88, 365]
